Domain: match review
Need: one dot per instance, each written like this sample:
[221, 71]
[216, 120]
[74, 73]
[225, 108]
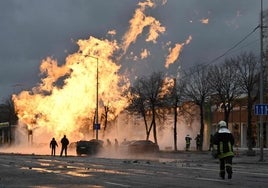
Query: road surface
[185, 170]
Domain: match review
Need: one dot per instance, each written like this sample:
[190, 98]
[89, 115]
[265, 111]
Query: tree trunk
[175, 128]
[227, 111]
[154, 125]
[201, 126]
[146, 127]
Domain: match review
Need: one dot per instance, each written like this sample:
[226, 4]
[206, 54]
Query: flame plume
[175, 52]
[139, 22]
[65, 100]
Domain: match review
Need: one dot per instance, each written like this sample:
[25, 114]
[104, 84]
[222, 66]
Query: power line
[231, 48]
[234, 46]
[248, 44]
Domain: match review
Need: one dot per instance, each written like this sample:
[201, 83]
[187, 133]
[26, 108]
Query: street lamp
[96, 126]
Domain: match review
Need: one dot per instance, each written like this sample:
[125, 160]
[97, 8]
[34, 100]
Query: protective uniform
[188, 142]
[223, 143]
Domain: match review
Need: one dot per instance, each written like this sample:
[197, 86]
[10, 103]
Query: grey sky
[31, 30]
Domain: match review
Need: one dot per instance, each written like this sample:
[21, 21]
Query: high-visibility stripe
[229, 146]
[222, 155]
[4, 124]
[221, 147]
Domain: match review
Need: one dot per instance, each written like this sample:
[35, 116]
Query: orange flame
[145, 53]
[204, 20]
[139, 22]
[175, 52]
[65, 100]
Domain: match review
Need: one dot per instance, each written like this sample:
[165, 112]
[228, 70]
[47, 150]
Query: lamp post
[96, 126]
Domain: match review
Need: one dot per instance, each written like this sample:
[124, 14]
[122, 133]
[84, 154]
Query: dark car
[142, 146]
[123, 147]
[90, 147]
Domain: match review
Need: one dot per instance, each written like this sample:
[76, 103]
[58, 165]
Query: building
[5, 133]
[238, 125]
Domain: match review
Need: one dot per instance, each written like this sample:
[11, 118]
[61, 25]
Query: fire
[145, 53]
[204, 20]
[65, 101]
[175, 52]
[139, 22]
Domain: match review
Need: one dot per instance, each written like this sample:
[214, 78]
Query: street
[179, 169]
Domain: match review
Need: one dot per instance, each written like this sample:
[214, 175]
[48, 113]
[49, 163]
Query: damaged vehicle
[142, 146]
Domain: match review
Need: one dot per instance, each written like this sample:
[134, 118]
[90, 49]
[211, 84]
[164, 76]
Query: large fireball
[65, 101]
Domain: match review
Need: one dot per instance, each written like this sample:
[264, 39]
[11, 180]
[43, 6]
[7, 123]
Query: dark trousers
[64, 148]
[210, 147]
[53, 151]
[226, 166]
[187, 146]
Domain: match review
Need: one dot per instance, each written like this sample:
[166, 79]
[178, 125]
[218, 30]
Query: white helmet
[222, 124]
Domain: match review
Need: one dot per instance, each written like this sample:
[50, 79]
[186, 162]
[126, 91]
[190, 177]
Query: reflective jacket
[223, 142]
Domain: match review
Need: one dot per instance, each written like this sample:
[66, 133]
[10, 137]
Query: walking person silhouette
[64, 145]
[53, 145]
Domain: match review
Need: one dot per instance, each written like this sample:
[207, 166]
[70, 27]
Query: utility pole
[261, 82]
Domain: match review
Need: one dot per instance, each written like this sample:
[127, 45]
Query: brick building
[238, 125]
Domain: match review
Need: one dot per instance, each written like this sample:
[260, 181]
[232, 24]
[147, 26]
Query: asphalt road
[180, 169]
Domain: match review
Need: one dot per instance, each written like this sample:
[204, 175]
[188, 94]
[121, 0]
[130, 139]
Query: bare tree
[104, 117]
[198, 90]
[225, 84]
[175, 100]
[248, 77]
[9, 115]
[147, 97]
[138, 102]
[12, 115]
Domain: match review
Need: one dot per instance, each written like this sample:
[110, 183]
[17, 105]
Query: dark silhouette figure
[223, 143]
[188, 142]
[109, 143]
[116, 145]
[210, 143]
[198, 142]
[64, 145]
[53, 145]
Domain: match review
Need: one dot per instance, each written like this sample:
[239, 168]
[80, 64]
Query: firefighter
[188, 142]
[198, 142]
[210, 143]
[223, 142]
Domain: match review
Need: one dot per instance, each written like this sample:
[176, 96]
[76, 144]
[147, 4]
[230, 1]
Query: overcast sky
[31, 30]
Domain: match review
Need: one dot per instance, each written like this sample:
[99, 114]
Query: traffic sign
[96, 126]
[261, 109]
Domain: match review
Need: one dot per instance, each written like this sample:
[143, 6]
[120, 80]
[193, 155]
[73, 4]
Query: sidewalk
[241, 156]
